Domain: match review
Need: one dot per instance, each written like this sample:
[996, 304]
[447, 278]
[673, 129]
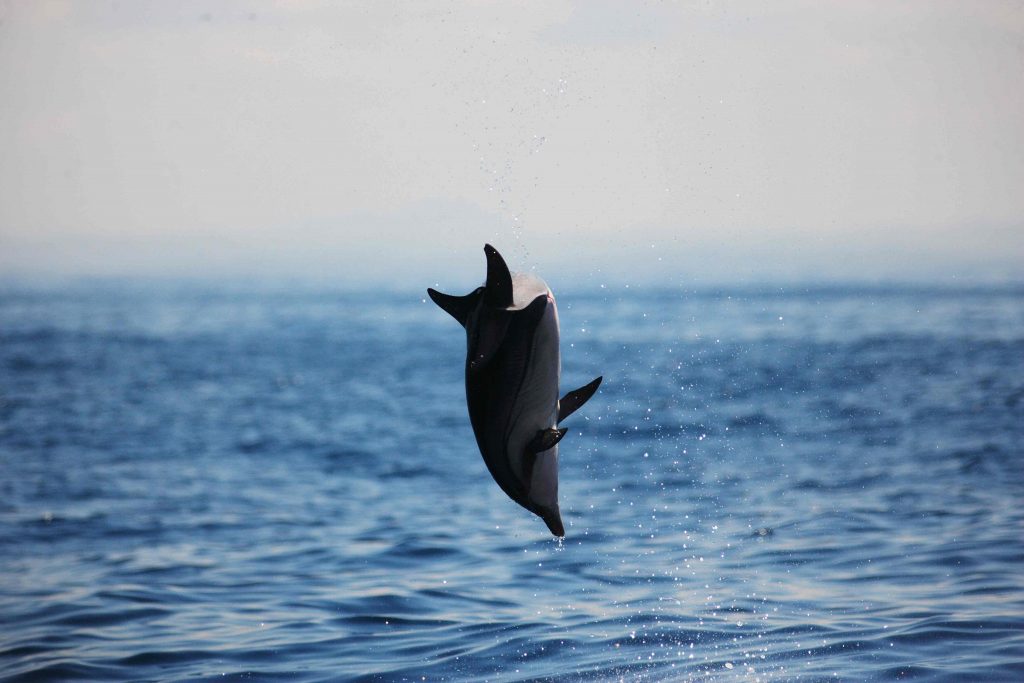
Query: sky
[591, 141]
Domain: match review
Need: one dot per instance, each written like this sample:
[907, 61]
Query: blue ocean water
[788, 484]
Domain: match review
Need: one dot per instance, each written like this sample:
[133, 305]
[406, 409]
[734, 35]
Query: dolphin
[512, 372]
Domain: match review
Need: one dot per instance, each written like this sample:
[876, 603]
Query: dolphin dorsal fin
[574, 399]
[545, 439]
[498, 290]
[458, 307]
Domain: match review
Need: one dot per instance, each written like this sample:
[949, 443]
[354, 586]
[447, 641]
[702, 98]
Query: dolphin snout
[554, 521]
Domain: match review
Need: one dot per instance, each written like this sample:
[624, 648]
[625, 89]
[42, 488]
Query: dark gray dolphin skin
[512, 372]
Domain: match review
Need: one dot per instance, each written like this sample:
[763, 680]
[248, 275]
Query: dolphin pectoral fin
[498, 290]
[458, 307]
[576, 398]
[545, 439]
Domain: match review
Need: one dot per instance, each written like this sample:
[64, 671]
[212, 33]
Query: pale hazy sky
[624, 141]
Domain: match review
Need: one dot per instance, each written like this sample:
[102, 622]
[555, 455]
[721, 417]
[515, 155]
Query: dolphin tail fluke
[576, 398]
[498, 290]
[458, 307]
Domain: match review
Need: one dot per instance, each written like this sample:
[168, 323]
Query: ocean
[772, 484]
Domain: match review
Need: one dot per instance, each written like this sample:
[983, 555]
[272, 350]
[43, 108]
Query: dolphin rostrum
[512, 373]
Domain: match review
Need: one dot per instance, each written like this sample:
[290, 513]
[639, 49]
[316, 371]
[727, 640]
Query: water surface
[794, 484]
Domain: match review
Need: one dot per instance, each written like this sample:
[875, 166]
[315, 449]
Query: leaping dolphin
[512, 372]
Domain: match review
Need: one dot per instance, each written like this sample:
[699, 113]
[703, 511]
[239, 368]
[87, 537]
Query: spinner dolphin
[512, 372]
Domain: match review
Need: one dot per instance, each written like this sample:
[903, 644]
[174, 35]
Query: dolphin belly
[535, 410]
[516, 396]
